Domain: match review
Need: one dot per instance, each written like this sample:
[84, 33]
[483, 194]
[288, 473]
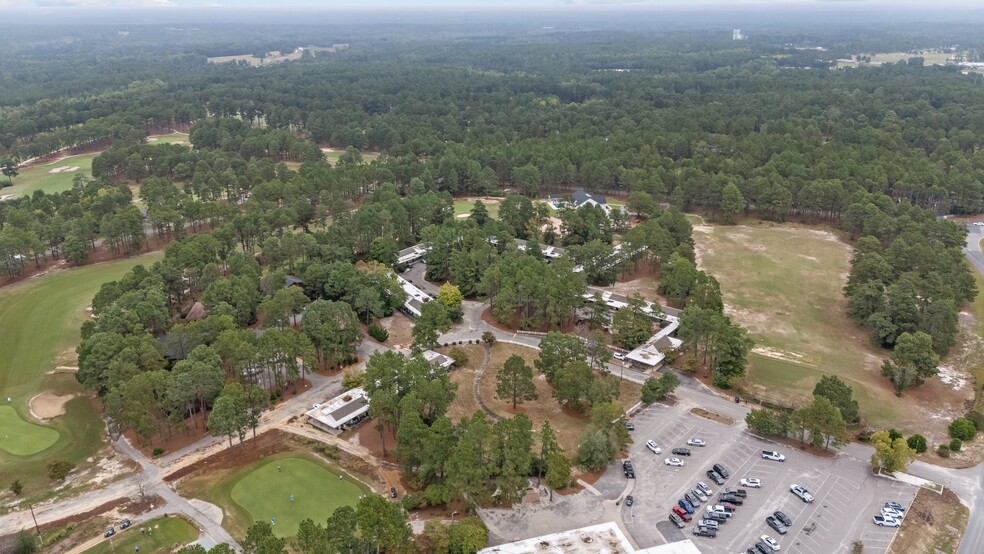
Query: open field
[162, 535]
[568, 424]
[258, 492]
[50, 177]
[39, 329]
[173, 138]
[784, 283]
[931, 58]
[464, 206]
[332, 155]
[22, 438]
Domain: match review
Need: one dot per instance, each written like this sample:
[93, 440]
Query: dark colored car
[776, 525]
[629, 426]
[125, 523]
[721, 471]
[629, 500]
[720, 518]
[752, 550]
[685, 505]
[714, 476]
[681, 513]
[782, 517]
[737, 492]
[690, 497]
[681, 451]
[730, 506]
[109, 532]
[676, 520]
[731, 499]
[705, 532]
[763, 548]
[629, 474]
[392, 492]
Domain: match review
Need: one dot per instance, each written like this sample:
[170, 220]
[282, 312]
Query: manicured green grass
[39, 323]
[784, 283]
[168, 139]
[162, 535]
[465, 206]
[39, 177]
[265, 493]
[21, 438]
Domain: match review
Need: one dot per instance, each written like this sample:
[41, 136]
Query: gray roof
[342, 413]
[581, 196]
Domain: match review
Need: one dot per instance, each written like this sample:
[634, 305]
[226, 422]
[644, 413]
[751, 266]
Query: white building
[605, 538]
[348, 409]
[416, 298]
[444, 362]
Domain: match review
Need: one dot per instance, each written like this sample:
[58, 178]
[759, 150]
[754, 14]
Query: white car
[886, 521]
[720, 509]
[703, 487]
[979, 223]
[618, 356]
[751, 482]
[699, 494]
[696, 442]
[709, 523]
[675, 462]
[770, 542]
[889, 512]
[654, 447]
[801, 492]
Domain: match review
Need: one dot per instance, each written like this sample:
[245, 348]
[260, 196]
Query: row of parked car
[112, 530]
[891, 515]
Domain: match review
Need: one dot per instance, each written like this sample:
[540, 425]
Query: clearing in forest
[784, 283]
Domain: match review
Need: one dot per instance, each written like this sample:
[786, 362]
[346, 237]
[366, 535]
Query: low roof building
[445, 362]
[351, 406]
[605, 538]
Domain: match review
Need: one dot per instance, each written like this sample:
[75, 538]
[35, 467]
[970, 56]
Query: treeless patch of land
[465, 404]
[933, 523]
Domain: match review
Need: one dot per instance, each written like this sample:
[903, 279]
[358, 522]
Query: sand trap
[48, 406]
[463, 216]
[65, 169]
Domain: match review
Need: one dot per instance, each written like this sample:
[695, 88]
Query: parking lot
[846, 494]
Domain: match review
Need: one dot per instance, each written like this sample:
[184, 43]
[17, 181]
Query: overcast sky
[468, 4]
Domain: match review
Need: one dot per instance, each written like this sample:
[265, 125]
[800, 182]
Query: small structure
[604, 538]
[411, 255]
[577, 199]
[293, 281]
[196, 312]
[549, 252]
[415, 297]
[346, 410]
[444, 362]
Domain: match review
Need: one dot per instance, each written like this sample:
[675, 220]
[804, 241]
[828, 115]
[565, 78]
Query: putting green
[265, 493]
[22, 438]
[160, 535]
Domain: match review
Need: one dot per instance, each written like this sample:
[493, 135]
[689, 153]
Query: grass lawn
[168, 139]
[258, 492]
[40, 177]
[568, 424]
[22, 438]
[39, 325]
[331, 156]
[784, 283]
[462, 207]
[162, 535]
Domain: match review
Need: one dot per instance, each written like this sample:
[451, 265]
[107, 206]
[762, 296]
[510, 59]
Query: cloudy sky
[464, 4]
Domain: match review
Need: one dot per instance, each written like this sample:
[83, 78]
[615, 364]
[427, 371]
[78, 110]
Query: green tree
[548, 446]
[16, 487]
[558, 470]
[732, 203]
[434, 319]
[468, 536]
[840, 394]
[764, 422]
[913, 360]
[596, 449]
[479, 213]
[556, 351]
[382, 524]
[917, 443]
[572, 385]
[333, 329]
[631, 325]
[311, 538]
[9, 169]
[963, 429]
[514, 382]
[654, 389]
[826, 420]
[25, 543]
[451, 297]
[892, 455]
[261, 540]
[640, 203]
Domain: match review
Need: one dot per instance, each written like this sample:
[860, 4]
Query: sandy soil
[65, 169]
[47, 406]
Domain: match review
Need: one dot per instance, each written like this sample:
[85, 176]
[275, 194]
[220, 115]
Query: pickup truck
[774, 456]
[740, 492]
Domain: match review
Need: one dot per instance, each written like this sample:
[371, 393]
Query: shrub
[488, 338]
[963, 429]
[956, 445]
[353, 379]
[943, 451]
[378, 333]
[59, 469]
[918, 443]
[459, 356]
[158, 452]
[857, 547]
[16, 488]
[893, 434]
[976, 418]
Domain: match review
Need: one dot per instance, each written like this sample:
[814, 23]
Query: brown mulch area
[701, 412]
[369, 438]
[192, 432]
[265, 444]
[299, 386]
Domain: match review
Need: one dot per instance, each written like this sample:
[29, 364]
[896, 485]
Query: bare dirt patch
[465, 404]
[715, 417]
[933, 523]
[399, 327]
[48, 406]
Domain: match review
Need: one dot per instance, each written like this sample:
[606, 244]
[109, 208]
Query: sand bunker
[48, 406]
[65, 169]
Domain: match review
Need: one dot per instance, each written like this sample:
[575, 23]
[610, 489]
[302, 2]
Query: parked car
[731, 499]
[692, 498]
[653, 446]
[678, 521]
[891, 513]
[715, 477]
[696, 442]
[720, 509]
[705, 532]
[729, 506]
[709, 523]
[125, 523]
[681, 451]
[619, 356]
[629, 500]
[714, 516]
[699, 494]
[886, 521]
[737, 492]
[629, 474]
[773, 455]
[687, 506]
[109, 532]
[703, 487]
[777, 525]
[392, 492]
[783, 518]
[629, 426]
[772, 543]
[721, 471]
[675, 462]
[895, 506]
[682, 513]
[801, 492]
[751, 482]
[762, 548]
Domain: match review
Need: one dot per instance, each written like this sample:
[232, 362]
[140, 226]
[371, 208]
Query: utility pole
[38, 529]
